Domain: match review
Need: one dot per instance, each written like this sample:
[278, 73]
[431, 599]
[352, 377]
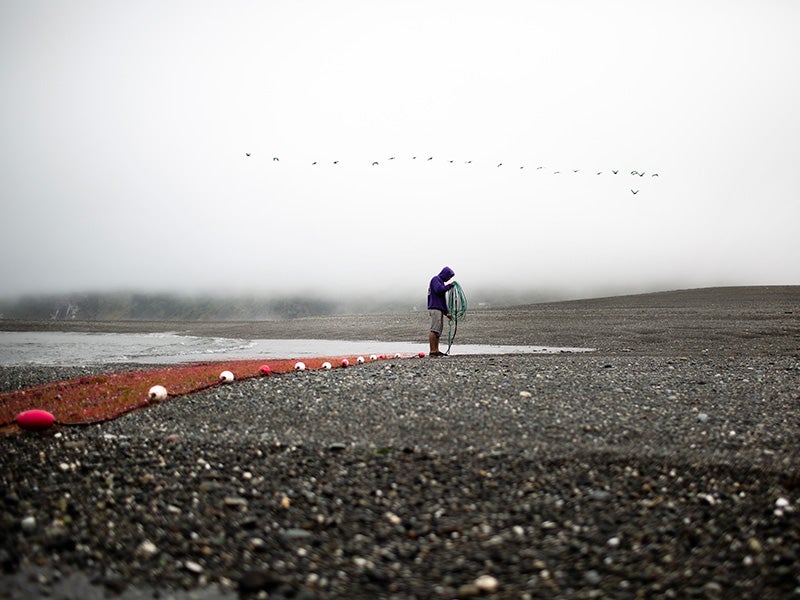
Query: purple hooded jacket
[437, 290]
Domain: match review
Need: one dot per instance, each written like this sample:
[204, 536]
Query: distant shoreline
[732, 320]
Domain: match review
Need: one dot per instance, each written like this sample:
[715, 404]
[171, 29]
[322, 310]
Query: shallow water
[72, 348]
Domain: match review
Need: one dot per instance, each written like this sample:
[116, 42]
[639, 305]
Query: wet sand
[664, 464]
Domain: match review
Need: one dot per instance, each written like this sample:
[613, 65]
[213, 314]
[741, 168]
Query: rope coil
[457, 307]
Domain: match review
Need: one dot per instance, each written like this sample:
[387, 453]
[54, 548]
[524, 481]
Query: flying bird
[469, 162]
[336, 162]
[275, 158]
[575, 170]
[634, 192]
[500, 165]
[374, 163]
[247, 154]
[391, 158]
[537, 168]
[313, 163]
[556, 172]
[430, 158]
[654, 175]
[599, 172]
[614, 172]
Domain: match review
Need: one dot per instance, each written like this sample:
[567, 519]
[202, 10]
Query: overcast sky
[126, 128]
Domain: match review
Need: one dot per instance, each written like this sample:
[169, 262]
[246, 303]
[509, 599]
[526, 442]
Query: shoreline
[665, 464]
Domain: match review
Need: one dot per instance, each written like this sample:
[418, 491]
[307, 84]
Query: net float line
[99, 398]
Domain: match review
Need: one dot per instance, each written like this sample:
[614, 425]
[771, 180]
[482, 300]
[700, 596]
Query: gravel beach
[664, 464]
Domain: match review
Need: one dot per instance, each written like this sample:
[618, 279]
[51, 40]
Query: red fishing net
[98, 398]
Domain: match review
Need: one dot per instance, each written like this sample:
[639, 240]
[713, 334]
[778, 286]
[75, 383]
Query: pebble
[28, 524]
[193, 567]
[147, 549]
[486, 584]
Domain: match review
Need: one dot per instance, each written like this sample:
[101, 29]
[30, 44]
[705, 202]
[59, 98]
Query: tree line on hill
[162, 307]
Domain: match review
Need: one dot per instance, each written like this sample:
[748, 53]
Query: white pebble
[146, 549]
[193, 567]
[613, 542]
[29, 524]
[781, 503]
[486, 584]
[393, 518]
[702, 417]
[226, 377]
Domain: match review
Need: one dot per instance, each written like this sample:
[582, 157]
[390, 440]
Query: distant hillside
[715, 297]
[161, 307]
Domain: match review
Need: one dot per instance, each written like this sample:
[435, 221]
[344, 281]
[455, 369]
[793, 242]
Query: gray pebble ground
[665, 464]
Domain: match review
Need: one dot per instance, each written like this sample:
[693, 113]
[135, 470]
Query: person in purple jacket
[437, 306]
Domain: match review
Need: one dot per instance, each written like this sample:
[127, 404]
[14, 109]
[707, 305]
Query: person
[437, 306]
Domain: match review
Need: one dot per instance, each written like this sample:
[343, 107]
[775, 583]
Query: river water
[77, 349]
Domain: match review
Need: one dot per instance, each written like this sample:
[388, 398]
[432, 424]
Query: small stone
[146, 549]
[613, 542]
[28, 524]
[525, 394]
[255, 581]
[486, 584]
[235, 502]
[712, 589]
[393, 518]
[702, 417]
[599, 495]
[592, 577]
[296, 534]
[754, 545]
[469, 590]
[193, 567]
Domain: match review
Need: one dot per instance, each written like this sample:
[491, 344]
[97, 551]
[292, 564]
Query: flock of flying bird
[375, 163]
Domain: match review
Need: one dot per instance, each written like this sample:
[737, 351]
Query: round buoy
[421, 355]
[299, 366]
[157, 393]
[397, 355]
[226, 377]
[264, 370]
[373, 357]
[35, 420]
[345, 362]
[360, 360]
[326, 365]
[382, 356]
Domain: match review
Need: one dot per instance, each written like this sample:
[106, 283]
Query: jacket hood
[446, 273]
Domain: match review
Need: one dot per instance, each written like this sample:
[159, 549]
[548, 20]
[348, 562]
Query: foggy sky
[125, 129]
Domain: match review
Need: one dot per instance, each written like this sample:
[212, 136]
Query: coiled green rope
[457, 307]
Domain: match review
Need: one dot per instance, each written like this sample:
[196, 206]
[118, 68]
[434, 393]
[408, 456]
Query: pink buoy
[421, 355]
[264, 370]
[35, 419]
[345, 362]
